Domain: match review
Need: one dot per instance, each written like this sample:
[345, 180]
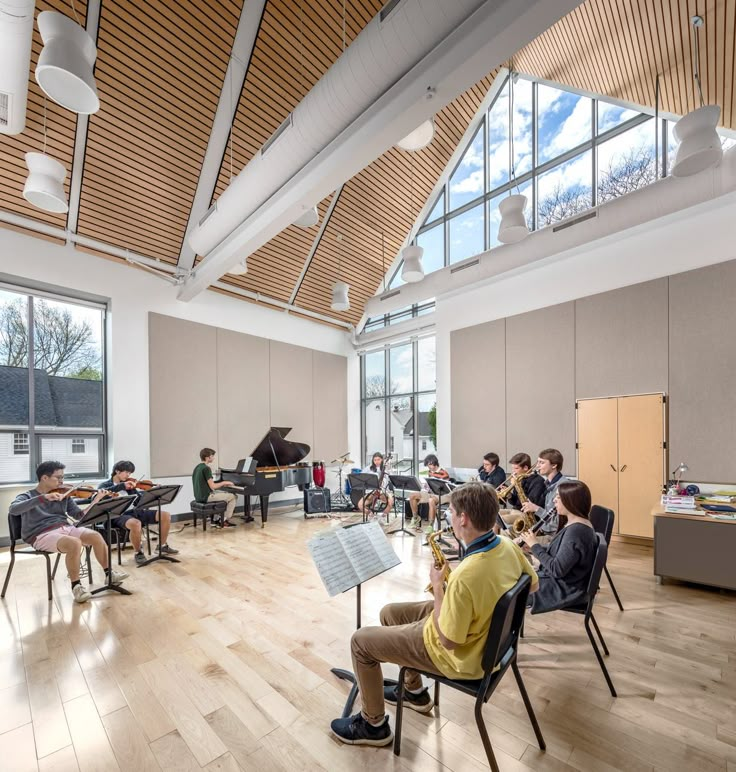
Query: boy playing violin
[45, 512]
[134, 519]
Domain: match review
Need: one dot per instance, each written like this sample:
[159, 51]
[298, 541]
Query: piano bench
[207, 510]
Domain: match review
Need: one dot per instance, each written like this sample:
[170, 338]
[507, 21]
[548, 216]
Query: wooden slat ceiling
[160, 72]
[61, 126]
[160, 68]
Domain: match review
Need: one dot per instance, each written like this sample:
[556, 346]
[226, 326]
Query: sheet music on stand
[347, 557]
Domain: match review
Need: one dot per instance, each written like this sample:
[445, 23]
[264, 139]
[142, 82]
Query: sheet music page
[333, 564]
[362, 543]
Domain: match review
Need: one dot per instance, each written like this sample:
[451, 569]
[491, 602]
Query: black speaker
[316, 500]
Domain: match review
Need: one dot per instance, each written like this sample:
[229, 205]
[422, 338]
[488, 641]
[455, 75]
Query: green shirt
[201, 476]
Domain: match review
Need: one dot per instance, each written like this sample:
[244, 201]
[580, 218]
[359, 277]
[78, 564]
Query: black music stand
[347, 675]
[440, 488]
[404, 483]
[363, 481]
[105, 510]
[161, 494]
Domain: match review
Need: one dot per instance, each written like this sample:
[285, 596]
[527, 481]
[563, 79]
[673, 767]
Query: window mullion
[33, 454]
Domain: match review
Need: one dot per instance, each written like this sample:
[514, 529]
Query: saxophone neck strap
[484, 543]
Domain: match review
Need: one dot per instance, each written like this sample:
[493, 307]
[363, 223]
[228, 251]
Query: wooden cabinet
[621, 457]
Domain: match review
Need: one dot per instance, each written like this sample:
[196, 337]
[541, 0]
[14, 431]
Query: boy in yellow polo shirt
[446, 635]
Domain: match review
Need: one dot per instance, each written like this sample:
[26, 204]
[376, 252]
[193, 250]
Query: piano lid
[275, 450]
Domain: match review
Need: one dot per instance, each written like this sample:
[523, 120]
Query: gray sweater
[552, 524]
[37, 514]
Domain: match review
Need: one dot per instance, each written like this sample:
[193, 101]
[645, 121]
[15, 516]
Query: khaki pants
[231, 498]
[399, 640]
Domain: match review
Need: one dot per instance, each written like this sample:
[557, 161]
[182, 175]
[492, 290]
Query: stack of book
[680, 505]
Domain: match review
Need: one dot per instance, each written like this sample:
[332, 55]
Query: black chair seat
[499, 657]
[206, 510]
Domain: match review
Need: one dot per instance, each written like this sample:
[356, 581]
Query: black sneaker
[166, 550]
[140, 558]
[355, 730]
[421, 702]
[248, 519]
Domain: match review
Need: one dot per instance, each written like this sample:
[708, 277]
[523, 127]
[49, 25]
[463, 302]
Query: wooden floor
[222, 662]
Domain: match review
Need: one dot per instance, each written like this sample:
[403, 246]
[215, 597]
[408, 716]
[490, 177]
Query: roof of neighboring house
[59, 401]
[406, 417]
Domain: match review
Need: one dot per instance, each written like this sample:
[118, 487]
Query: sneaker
[140, 558]
[228, 524]
[248, 519]
[416, 522]
[118, 577]
[81, 594]
[421, 702]
[355, 730]
[166, 550]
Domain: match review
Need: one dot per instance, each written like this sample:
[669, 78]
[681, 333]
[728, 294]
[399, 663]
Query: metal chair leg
[528, 706]
[599, 658]
[600, 637]
[399, 712]
[437, 698]
[56, 565]
[88, 550]
[148, 540]
[613, 588]
[48, 576]
[484, 735]
[7, 575]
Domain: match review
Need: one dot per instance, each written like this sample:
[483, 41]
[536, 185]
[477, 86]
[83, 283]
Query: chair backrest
[14, 523]
[602, 518]
[601, 554]
[506, 622]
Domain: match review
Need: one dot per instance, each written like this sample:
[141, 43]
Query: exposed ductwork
[399, 36]
[662, 198]
[16, 35]
[374, 94]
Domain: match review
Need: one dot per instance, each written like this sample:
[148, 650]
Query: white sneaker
[118, 577]
[81, 594]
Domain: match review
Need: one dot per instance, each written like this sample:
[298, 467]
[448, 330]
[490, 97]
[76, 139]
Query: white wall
[700, 236]
[132, 293]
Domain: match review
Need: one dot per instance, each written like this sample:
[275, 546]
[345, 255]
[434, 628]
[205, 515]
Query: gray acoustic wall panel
[182, 393]
[478, 405]
[621, 341]
[292, 391]
[330, 390]
[243, 394]
[540, 382]
[702, 407]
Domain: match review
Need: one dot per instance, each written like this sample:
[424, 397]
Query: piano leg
[264, 511]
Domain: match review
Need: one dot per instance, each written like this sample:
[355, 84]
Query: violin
[377, 500]
[80, 491]
[141, 485]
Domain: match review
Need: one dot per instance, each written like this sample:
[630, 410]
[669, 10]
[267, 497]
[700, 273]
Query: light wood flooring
[222, 662]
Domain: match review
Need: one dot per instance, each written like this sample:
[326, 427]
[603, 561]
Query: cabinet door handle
[623, 468]
[612, 467]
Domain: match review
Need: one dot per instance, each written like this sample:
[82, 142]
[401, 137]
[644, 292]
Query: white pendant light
[412, 269]
[340, 300]
[699, 144]
[309, 219]
[419, 138]
[240, 268]
[513, 225]
[44, 186]
[65, 66]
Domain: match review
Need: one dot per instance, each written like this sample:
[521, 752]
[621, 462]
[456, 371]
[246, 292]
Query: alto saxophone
[440, 561]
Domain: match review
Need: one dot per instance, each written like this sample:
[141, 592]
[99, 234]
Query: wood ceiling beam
[232, 86]
[80, 136]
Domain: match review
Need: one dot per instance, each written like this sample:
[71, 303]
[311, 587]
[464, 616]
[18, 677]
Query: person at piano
[445, 635]
[135, 518]
[206, 489]
[424, 496]
[377, 466]
[490, 472]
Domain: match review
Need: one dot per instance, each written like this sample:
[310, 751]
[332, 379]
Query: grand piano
[277, 462]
